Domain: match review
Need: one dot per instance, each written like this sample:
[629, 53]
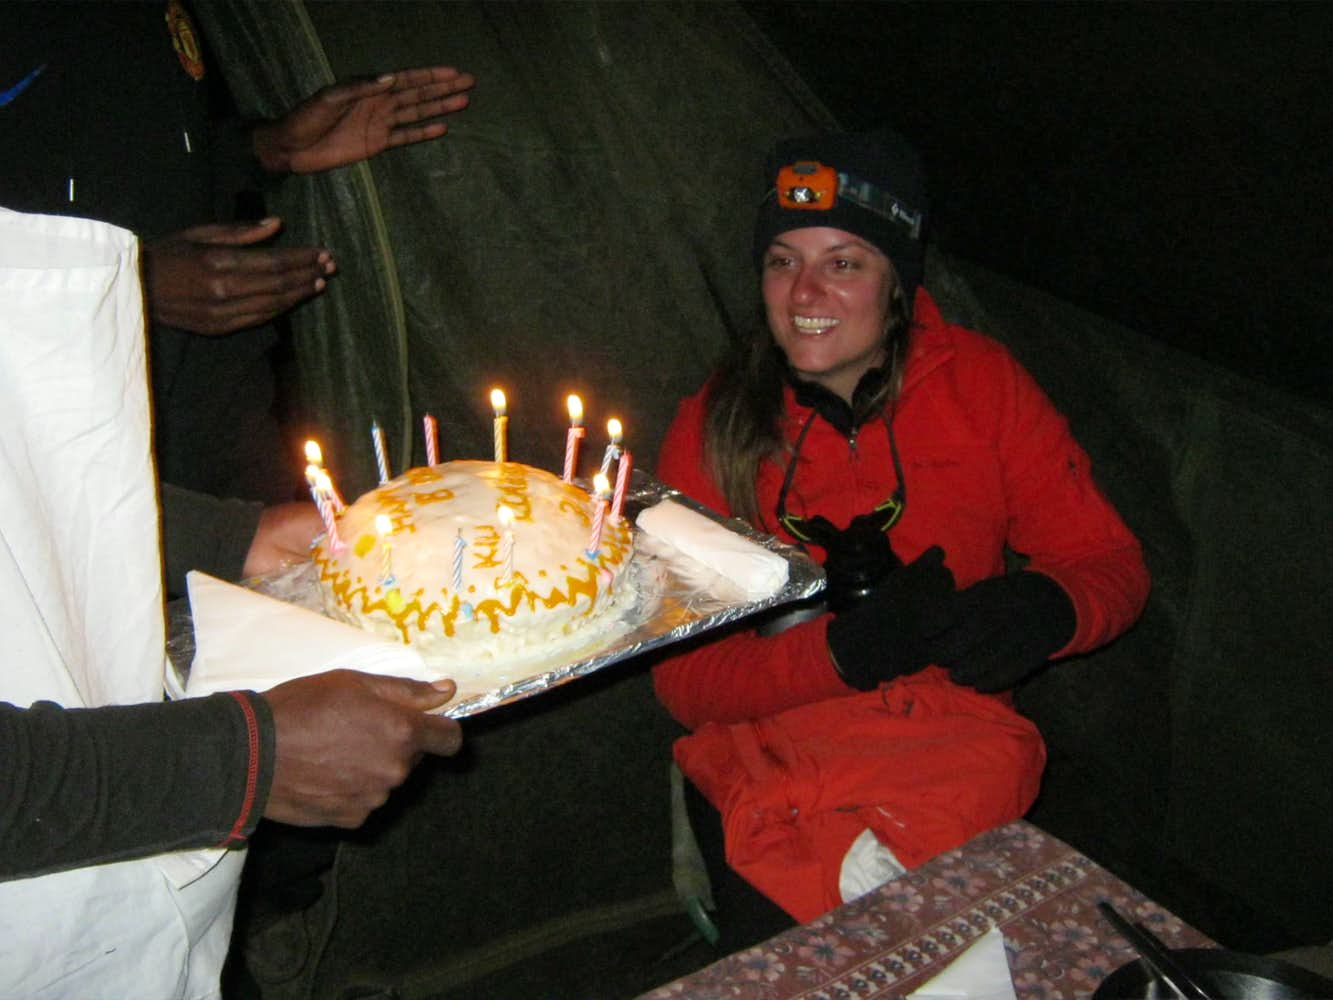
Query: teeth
[811, 324]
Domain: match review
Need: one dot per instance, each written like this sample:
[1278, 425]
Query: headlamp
[808, 185]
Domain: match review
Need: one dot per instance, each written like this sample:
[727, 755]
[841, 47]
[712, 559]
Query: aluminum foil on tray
[671, 597]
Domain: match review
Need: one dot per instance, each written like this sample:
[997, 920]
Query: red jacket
[988, 462]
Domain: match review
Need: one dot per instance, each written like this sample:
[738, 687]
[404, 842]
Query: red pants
[923, 763]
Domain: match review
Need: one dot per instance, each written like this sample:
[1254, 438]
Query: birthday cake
[471, 560]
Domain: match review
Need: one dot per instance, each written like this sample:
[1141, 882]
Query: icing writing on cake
[462, 583]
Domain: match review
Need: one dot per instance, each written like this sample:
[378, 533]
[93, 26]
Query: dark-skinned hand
[214, 279]
[283, 537]
[345, 740]
[349, 122]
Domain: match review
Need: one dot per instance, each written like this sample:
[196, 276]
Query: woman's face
[827, 295]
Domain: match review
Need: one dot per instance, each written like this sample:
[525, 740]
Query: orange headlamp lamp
[806, 184]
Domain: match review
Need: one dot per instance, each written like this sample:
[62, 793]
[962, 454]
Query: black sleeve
[83, 786]
[205, 533]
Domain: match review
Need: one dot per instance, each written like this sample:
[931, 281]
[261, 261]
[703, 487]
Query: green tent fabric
[582, 227]
[1200, 738]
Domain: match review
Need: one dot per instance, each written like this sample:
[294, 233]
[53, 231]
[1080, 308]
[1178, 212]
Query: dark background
[1164, 165]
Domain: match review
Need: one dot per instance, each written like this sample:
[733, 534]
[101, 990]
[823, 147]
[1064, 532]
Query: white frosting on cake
[491, 604]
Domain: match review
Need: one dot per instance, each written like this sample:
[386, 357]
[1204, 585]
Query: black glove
[884, 635]
[1005, 628]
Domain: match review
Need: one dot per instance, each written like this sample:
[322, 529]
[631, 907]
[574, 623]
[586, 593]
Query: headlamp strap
[808, 185]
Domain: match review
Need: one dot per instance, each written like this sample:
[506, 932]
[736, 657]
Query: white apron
[81, 605]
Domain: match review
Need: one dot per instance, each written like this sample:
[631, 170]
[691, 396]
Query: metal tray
[674, 598]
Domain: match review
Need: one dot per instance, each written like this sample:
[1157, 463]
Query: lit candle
[572, 437]
[384, 525]
[315, 464]
[601, 497]
[323, 500]
[613, 449]
[498, 404]
[459, 546]
[432, 431]
[622, 485]
[381, 455]
[506, 516]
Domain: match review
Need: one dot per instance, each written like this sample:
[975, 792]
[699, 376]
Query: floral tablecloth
[1038, 890]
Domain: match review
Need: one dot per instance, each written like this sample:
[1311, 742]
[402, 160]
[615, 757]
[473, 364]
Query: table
[1038, 890]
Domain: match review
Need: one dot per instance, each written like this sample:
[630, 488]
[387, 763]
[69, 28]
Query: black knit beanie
[881, 196]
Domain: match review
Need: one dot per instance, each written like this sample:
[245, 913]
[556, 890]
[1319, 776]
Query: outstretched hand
[346, 739]
[214, 279]
[283, 537]
[350, 122]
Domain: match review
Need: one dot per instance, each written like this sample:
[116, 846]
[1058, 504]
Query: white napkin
[980, 973]
[244, 640]
[758, 572]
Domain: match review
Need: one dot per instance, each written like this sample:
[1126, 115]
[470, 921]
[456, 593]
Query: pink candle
[572, 437]
[601, 498]
[432, 431]
[323, 499]
[315, 464]
[622, 485]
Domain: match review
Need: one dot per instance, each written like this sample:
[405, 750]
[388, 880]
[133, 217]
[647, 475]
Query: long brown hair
[743, 421]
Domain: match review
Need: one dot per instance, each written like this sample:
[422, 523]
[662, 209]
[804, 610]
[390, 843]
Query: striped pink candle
[323, 499]
[432, 431]
[622, 485]
[601, 498]
[572, 437]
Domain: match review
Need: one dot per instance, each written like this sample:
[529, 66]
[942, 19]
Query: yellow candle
[384, 525]
[498, 404]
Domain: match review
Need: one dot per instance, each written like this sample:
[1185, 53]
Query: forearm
[90, 786]
[205, 533]
[747, 676]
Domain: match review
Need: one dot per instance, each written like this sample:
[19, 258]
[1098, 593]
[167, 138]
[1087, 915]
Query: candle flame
[498, 402]
[384, 525]
[614, 429]
[312, 453]
[575, 410]
[601, 485]
[506, 516]
[322, 481]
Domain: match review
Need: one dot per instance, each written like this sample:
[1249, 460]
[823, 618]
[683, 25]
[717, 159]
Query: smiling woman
[908, 455]
[827, 296]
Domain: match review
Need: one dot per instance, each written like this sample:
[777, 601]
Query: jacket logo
[185, 40]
